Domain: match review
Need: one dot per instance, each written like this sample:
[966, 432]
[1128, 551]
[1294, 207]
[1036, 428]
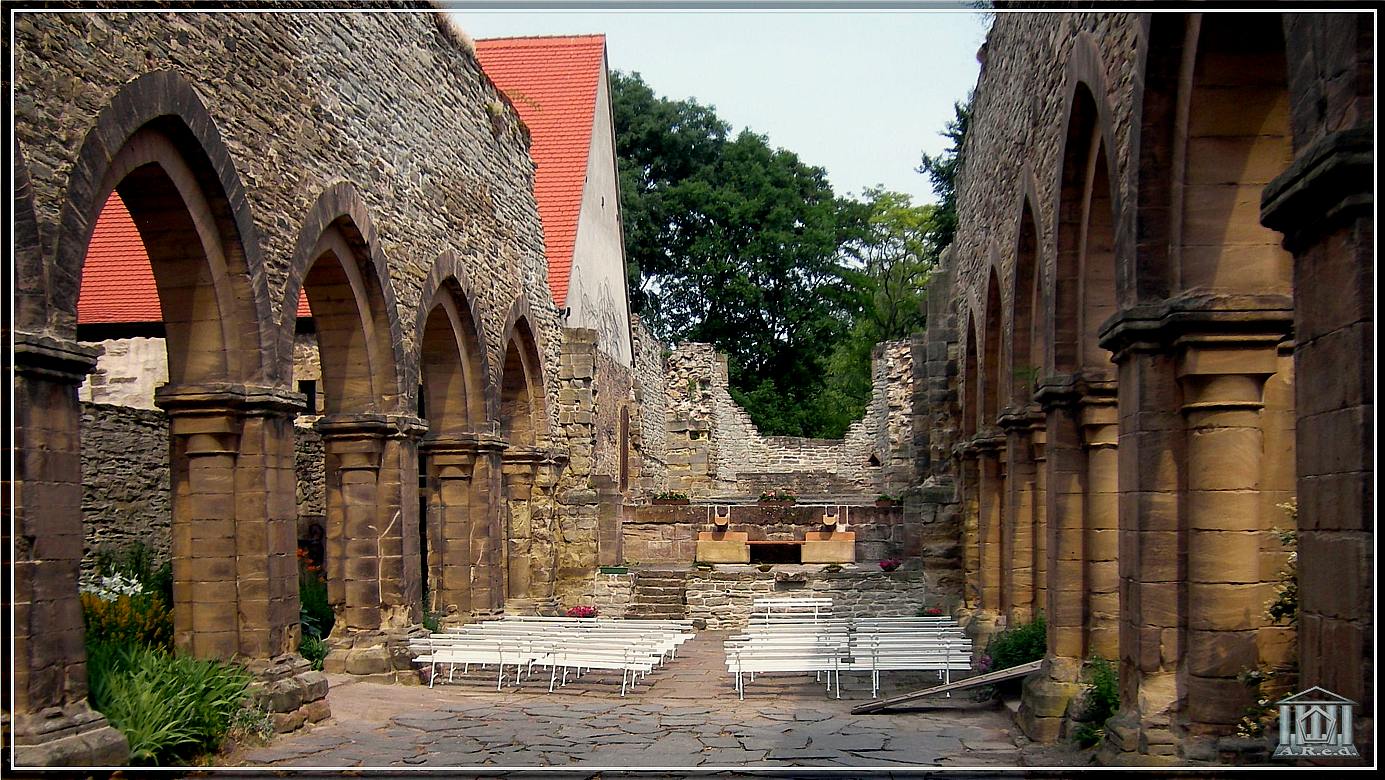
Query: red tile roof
[117, 281]
[552, 82]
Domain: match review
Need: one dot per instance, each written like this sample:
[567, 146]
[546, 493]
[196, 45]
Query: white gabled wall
[596, 291]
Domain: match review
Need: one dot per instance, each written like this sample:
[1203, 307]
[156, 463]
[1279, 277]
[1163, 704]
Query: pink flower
[582, 612]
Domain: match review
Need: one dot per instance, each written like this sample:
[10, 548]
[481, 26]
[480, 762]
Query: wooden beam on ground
[970, 682]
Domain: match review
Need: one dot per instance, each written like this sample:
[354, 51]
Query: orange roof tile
[552, 82]
[117, 280]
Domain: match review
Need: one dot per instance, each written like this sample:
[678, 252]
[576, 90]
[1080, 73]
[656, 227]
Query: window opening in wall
[308, 387]
[874, 460]
[624, 448]
[776, 552]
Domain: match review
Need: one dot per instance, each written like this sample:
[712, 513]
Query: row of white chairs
[572, 645]
[829, 647]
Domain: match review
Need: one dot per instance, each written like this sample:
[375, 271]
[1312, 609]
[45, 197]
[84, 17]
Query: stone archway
[528, 470]
[157, 147]
[462, 542]
[370, 446]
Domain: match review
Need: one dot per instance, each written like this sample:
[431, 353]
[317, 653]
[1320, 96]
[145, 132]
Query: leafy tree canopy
[737, 243]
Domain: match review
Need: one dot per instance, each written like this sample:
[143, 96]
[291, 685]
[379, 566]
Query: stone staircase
[659, 594]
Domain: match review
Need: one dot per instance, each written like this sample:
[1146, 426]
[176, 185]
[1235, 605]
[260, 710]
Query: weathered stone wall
[127, 372]
[298, 101]
[310, 471]
[723, 598]
[651, 400]
[612, 594]
[714, 448]
[668, 534]
[125, 481]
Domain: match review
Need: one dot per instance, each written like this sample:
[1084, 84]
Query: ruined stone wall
[716, 450]
[304, 101]
[127, 372]
[310, 471]
[125, 481]
[651, 401]
[724, 598]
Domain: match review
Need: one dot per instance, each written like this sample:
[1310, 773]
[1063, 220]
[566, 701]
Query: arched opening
[1025, 360]
[995, 543]
[1024, 525]
[529, 544]
[370, 550]
[196, 294]
[454, 530]
[1085, 297]
[624, 444]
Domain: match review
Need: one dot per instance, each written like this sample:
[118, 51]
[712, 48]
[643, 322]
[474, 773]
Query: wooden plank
[970, 682]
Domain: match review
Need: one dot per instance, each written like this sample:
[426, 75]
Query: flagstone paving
[685, 714]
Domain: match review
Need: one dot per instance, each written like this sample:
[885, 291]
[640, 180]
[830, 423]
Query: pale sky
[860, 93]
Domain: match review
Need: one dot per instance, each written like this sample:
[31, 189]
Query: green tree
[738, 244]
[942, 170]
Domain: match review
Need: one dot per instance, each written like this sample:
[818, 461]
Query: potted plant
[777, 498]
[670, 498]
[884, 500]
[930, 612]
[890, 564]
[582, 611]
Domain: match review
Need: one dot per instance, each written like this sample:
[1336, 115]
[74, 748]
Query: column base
[75, 735]
[374, 656]
[288, 688]
[1045, 698]
[1129, 743]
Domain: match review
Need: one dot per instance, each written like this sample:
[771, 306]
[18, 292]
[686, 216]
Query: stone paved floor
[684, 715]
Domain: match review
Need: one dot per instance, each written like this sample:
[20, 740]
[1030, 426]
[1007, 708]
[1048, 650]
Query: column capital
[1156, 326]
[1328, 183]
[989, 443]
[1225, 373]
[1058, 391]
[53, 358]
[228, 398]
[354, 426]
[1021, 419]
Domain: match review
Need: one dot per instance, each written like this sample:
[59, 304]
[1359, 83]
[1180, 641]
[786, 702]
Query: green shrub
[314, 650]
[313, 610]
[169, 707]
[142, 619]
[1105, 698]
[1018, 645]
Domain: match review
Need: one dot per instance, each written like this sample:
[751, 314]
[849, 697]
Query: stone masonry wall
[715, 449]
[125, 481]
[651, 400]
[724, 598]
[299, 101]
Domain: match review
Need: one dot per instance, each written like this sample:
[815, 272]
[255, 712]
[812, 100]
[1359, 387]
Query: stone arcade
[1162, 322]
[1149, 333]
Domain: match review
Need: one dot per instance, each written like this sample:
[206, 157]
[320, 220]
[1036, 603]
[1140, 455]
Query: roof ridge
[576, 36]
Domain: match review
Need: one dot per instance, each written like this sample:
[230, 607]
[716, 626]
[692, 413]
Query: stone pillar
[990, 510]
[1038, 439]
[1222, 380]
[1019, 604]
[488, 528]
[372, 562]
[1048, 691]
[1324, 205]
[52, 724]
[1100, 436]
[452, 463]
[519, 470]
[971, 540]
[546, 537]
[1151, 565]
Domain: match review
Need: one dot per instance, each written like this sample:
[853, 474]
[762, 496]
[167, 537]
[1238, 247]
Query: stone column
[546, 532]
[1048, 691]
[1324, 204]
[235, 568]
[488, 528]
[1019, 605]
[52, 724]
[971, 540]
[372, 563]
[452, 463]
[1100, 436]
[990, 511]
[1038, 438]
[519, 468]
[1222, 378]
